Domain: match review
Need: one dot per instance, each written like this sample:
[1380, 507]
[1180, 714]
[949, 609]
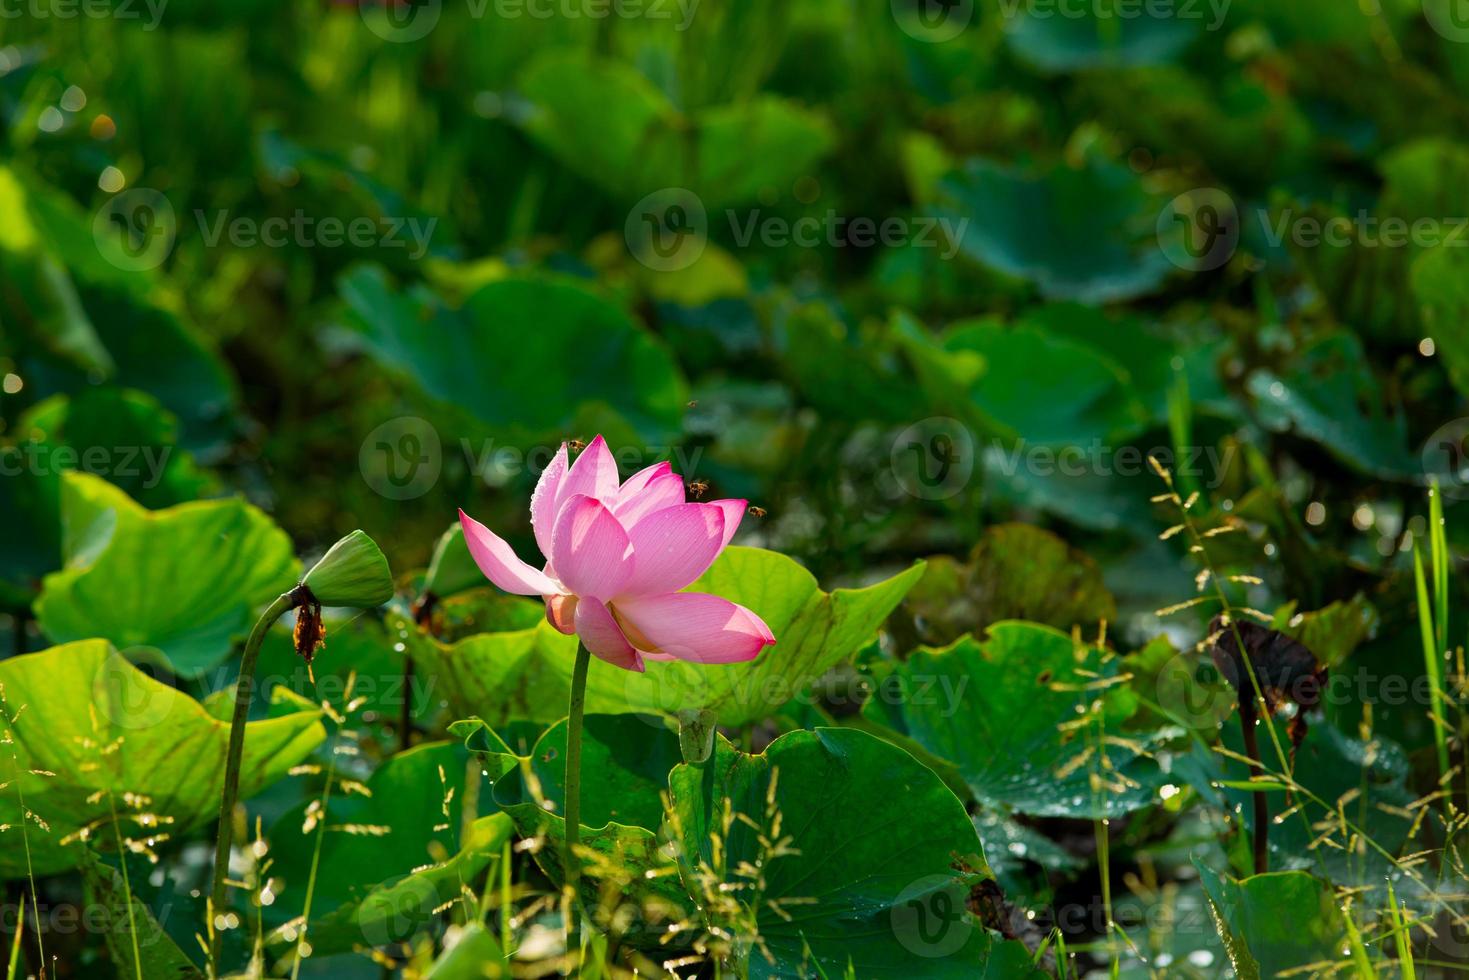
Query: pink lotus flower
[616, 558]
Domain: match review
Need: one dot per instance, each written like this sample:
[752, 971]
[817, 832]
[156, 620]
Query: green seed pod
[353, 573]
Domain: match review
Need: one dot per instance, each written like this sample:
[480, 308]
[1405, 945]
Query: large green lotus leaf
[1016, 571]
[185, 581]
[1099, 38]
[402, 905]
[475, 955]
[92, 732]
[1044, 389]
[611, 125]
[121, 434]
[580, 364]
[43, 232]
[1084, 233]
[1329, 395]
[1322, 22]
[408, 814]
[138, 944]
[1285, 923]
[526, 674]
[94, 319]
[1031, 721]
[625, 764]
[893, 906]
[1440, 280]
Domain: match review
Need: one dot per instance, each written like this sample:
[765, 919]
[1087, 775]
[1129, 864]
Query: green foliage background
[925, 282]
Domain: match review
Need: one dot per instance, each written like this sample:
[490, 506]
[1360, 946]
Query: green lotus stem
[570, 861]
[244, 691]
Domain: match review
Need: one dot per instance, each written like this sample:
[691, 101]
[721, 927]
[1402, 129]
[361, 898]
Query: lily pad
[134, 937]
[610, 124]
[580, 364]
[1016, 571]
[1099, 38]
[895, 903]
[1273, 924]
[625, 763]
[1031, 720]
[397, 909]
[1084, 233]
[185, 581]
[1329, 395]
[407, 815]
[93, 733]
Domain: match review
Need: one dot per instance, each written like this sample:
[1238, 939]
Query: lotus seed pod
[353, 573]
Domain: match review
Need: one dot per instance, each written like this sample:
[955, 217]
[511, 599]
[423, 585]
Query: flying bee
[694, 403]
[699, 487]
[757, 511]
[576, 445]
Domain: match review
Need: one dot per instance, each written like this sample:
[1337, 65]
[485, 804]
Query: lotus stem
[244, 692]
[570, 862]
[1261, 830]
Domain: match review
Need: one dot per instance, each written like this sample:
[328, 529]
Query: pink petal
[561, 613]
[590, 549]
[672, 547]
[635, 483]
[602, 636]
[498, 561]
[694, 626]
[543, 500]
[664, 490]
[594, 474]
[734, 510]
